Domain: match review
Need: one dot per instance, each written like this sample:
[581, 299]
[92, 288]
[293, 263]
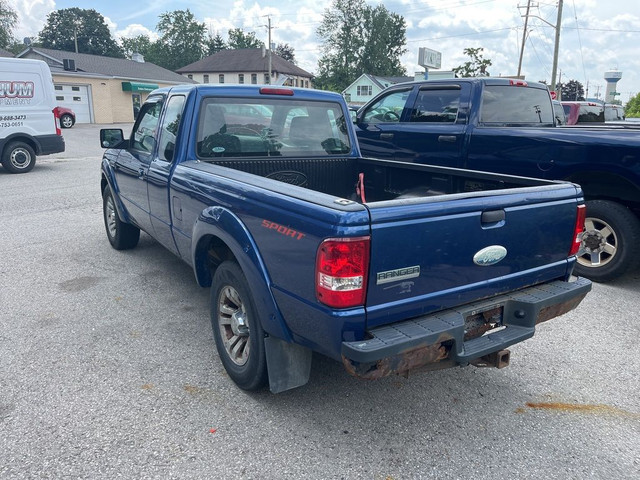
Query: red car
[66, 116]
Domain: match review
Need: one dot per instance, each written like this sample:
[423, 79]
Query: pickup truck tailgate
[434, 253]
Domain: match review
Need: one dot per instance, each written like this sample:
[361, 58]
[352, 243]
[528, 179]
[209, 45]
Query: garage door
[75, 97]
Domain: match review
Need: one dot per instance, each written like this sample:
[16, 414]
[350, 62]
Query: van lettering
[16, 89]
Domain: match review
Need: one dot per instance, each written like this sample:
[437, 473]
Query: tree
[88, 27]
[215, 44]
[572, 90]
[239, 39]
[182, 40]
[384, 41]
[632, 109]
[342, 44]
[141, 44]
[476, 66]
[8, 21]
[357, 39]
[285, 51]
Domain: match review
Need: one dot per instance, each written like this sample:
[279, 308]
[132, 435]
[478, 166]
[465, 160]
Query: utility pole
[556, 47]
[269, 47]
[524, 36]
[557, 42]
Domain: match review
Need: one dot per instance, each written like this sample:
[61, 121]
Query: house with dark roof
[5, 53]
[102, 89]
[368, 86]
[247, 65]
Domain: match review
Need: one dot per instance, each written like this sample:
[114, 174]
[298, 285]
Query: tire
[610, 243]
[236, 328]
[18, 157]
[66, 121]
[121, 235]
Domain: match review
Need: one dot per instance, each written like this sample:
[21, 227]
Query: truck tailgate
[434, 253]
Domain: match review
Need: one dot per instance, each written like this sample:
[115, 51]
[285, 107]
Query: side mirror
[111, 138]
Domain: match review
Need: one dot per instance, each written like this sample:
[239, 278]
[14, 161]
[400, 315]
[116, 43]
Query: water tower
[612, 77]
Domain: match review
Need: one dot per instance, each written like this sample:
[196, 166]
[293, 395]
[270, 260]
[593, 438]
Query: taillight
[579, 228]
[342, 267]
[518, 83]
[56, 120]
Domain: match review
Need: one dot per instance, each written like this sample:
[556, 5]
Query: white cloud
[32, 15]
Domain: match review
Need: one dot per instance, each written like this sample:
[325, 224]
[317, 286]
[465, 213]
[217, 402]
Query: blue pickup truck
[507, 126]
[307, 246]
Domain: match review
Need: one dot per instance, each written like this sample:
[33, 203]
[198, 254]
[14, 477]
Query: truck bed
[382, 180]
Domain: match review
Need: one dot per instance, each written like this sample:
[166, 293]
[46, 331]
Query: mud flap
[288, 364]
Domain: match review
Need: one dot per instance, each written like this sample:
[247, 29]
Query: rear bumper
[50, 144]
[455, 337]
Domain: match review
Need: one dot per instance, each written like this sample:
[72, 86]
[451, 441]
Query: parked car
[583, 112]
[613, 113]
[66, 116]
[558, 111]
[508, 126]
[383, 266]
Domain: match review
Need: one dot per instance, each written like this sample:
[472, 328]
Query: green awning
[138, 87]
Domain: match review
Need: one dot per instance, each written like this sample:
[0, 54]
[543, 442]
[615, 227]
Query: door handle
[447, 138]
[386, 136]
[141, 173]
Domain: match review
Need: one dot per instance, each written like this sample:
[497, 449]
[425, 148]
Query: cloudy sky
[595, 35]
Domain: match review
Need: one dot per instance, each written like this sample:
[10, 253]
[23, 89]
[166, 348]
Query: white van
[28, 123]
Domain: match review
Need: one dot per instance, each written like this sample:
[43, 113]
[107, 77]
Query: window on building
[205, 78]
[58, 87]
[266, 79]
[221, 78]
[241, 78]
[254, 78]
[364, 90]
[189, 76]
[75, 89]
[60, 98]
[306, 83]
[77, 99]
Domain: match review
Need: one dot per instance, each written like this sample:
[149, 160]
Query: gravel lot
[108, 369]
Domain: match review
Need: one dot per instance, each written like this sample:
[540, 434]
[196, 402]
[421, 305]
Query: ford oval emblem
[490, 255]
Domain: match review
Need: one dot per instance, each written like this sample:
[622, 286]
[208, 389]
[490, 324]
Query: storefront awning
[138, 87]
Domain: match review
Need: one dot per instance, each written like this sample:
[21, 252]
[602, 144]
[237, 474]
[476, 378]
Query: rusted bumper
[460, 336]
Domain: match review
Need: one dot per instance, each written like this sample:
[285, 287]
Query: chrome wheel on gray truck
[236, 328]
[18, 157]
[610, 243]
[121, 235]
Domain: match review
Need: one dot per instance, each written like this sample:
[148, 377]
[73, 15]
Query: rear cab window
[240, 127]
[507, 105]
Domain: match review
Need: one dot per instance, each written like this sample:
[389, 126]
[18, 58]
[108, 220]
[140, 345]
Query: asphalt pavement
[108, 369]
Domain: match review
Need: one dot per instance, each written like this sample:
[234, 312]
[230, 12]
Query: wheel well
[28, 140]
[607, 186]
[210, 253]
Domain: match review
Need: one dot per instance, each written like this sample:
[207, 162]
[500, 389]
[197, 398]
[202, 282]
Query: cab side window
[145, 131]
[169, 130]
[388, 108]
[440, 106]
